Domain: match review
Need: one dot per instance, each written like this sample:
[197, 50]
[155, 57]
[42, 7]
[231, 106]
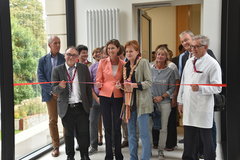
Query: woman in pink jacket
[110, 72]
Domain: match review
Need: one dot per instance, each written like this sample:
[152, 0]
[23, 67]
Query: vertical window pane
[29, 43]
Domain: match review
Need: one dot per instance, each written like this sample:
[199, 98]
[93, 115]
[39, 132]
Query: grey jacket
[59, 73]
[144, 100]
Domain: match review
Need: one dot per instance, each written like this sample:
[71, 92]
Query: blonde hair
[96, 50]
[166, 53]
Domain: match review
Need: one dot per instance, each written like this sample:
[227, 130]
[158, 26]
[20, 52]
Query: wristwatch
[162, 96]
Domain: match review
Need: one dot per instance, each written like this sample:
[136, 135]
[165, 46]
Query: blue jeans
[144, 135]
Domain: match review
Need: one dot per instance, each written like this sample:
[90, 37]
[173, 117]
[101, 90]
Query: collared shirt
[93, 73]
[151, 64]
[54, 60]
[76, 93]
[198, 106]
[180, 63]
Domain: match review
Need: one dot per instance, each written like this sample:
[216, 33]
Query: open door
[145, 34]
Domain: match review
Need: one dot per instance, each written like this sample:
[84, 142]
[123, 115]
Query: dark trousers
[191, 143]
[172, 129]
[155, 135]
[214, 133]
[113, 105]
[76, 116]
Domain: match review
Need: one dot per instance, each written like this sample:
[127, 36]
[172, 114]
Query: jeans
[94, 117]
[144, 135]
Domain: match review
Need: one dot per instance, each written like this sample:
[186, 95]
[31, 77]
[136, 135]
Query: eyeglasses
[196, 47]
[71, 55]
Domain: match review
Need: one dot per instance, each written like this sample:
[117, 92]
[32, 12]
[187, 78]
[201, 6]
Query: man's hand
[55, 96]
[62, 84]
[98, 100]
[180, 109]
[195, 87]
[98, 85]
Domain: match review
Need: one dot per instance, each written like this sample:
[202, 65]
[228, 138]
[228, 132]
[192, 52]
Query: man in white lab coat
[196, 101]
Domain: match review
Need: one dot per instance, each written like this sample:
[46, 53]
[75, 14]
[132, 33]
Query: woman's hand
[157, 99]
[128, 85]
[118, 85]
[174, 102]
[98, 85]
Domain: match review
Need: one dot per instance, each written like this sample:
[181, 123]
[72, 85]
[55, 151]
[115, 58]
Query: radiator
[102, 26]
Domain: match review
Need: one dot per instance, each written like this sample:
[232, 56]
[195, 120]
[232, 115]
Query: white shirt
[176, 73]
[76, 93]
[114, 69]
[198, 107]
[151, 64]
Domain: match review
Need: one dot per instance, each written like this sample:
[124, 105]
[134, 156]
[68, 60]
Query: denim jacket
[156, 116]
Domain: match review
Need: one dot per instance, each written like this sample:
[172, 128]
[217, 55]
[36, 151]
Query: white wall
[56, 21]
[210, 21]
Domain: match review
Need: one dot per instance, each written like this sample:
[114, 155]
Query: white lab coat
[198, 107]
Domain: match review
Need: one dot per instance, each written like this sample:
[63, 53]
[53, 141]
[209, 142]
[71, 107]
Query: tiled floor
[174, 155]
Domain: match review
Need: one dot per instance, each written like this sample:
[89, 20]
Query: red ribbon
[24, 84]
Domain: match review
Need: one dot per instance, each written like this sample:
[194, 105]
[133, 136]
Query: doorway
[162, 25]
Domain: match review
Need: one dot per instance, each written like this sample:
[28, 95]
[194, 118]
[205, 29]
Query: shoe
[155, 147]
[170, 149]
[100, 140]
[85, 158]
[92, 151]
[181, 141]
[201, 156]
[160, 155]
[70, 158]
[113, 150]
[124, 144]
[77, 148]
[55, 152]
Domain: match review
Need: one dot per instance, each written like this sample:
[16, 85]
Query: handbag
[219, 102]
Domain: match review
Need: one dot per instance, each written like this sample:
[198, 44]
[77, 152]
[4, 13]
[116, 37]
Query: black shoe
[77, 148]
[181, 141]
[85, 158]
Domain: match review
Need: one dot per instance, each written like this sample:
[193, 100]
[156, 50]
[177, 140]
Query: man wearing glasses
[186, 40]
[45, 66]
[74, 102]
[196, 102]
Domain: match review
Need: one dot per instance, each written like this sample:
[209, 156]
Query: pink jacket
[105, 76]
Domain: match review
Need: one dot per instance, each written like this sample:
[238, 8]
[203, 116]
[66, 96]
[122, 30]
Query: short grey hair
[51, 38]
[187, 31]
[203, 39]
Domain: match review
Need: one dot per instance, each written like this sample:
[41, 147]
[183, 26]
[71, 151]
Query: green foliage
[22, 92]
[30, 15]
[30, 107]
[28, 45]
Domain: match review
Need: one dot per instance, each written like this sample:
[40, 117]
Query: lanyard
[69, 78]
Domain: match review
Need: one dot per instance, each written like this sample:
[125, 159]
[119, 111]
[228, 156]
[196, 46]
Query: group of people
[126, 90]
